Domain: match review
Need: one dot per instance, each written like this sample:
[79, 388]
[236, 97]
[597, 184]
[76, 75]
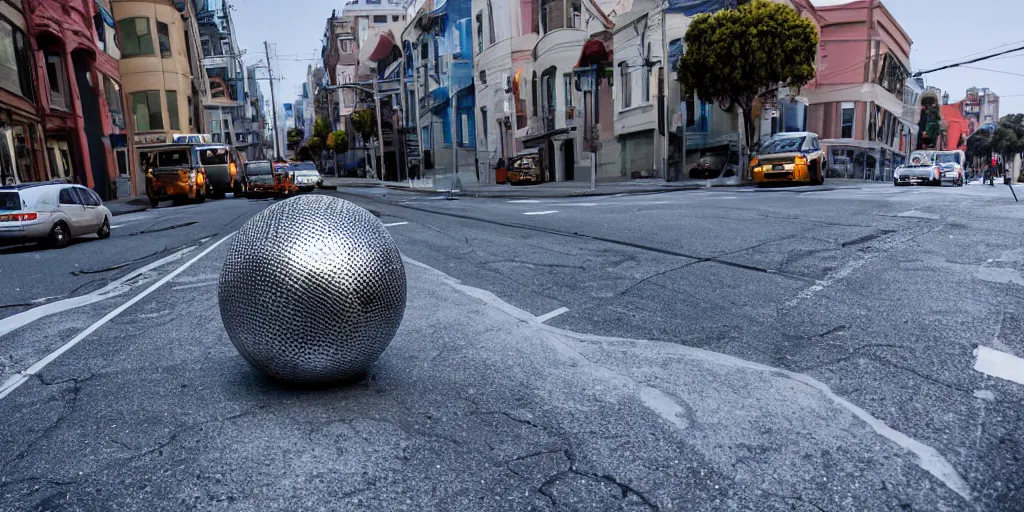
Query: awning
[695, 7]
[539, 139]
[385, 42]
[593, 52]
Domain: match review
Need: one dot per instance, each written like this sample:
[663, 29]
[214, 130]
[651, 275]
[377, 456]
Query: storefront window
[15, 67]
[146, 109]
[114, 103]
[136, 36]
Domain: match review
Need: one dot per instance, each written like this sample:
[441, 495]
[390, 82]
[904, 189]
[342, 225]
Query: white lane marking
[113, 289]
[548, 316]
[18, 379]
[524, 201]
[999, 364]
[395, 224]
[829, 279]
[117, 226]
[547, 212]
[573, 204]
[194, 285]
[665, 406]
[928, 458]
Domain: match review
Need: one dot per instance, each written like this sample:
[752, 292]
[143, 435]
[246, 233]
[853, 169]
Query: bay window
[15, 64]
[136, 37]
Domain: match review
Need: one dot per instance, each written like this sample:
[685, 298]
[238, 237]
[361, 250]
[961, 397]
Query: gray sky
[942, 30]
[946, 31]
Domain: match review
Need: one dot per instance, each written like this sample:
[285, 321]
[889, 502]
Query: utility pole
[273, 102]
[380, 130]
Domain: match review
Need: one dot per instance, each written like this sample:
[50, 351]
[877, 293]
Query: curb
[132, 209]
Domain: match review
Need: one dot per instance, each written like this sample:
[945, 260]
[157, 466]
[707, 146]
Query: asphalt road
[723, 349]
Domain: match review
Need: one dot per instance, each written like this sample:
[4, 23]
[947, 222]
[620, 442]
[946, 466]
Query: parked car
[919, 172]
[952, 173]
[789, 157]
[261, 177]
[51, 212]
[221, 164]
[526, 168]
[174, 172]
[306, 175]
[711, 167]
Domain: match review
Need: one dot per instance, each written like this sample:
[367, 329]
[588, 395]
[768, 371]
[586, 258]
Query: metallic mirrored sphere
[312, 290]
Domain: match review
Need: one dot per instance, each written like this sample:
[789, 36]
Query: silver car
[307, 177]
[51, 212]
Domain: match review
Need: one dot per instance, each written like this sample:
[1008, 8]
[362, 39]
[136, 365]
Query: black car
[712, 167]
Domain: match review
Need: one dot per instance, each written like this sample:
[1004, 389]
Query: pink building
[859, 102]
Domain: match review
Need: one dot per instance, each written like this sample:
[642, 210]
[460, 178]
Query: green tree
[337, 142]
[365, 123]
[734, 56]
[321, 128]
[303, 153]
[1005, 143]
[295, 137]
[979, 148]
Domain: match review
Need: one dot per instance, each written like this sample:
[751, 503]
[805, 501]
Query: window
[528, 8]
[380, 18]
[491, 37]
[575, 14]
[483, 120]
[568, 87]
[225, 46]
[207, 47]
[67, 197]
[847, 120]
[146, 109]
[552, 15]
[483, 77]
[479, 32]
[172, 110]
[627, 85]
[135, 37]
[58, 85]
[114, 103]
[87, 196]
[163, 35]
[373, 2]
[394, 18]
[15, 66]
[533, 93]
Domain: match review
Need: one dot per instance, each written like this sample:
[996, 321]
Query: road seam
[18, 379]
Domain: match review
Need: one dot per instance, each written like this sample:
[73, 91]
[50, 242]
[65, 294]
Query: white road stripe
[524, 201]
[18, 379]
[999, 364]
[116, 226]
[193, 285]
[122, 285]
[395, 224]
[548, 212]
[545, 317]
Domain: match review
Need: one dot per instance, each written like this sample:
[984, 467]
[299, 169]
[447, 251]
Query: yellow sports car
[794, 157]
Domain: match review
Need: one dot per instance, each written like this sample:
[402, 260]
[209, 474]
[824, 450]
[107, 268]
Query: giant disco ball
[312, 290]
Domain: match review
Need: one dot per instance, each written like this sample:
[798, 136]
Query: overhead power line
[971, 61]
[994, 71]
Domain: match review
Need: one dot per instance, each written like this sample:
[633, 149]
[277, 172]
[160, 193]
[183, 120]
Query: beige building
[160, 69]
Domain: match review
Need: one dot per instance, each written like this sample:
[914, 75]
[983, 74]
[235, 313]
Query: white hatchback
[51, 212]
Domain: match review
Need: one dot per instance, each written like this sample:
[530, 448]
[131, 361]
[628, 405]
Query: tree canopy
[337, 142]
[734, 56]
[365, 123]
[321, 128]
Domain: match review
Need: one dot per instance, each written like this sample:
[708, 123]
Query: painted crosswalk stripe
[999, 364]
[395, 224]
[548, 212]
[549, 316]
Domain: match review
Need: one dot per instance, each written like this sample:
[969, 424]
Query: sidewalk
[125, 205]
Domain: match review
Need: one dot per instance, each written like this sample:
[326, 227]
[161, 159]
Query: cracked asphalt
[722, 349]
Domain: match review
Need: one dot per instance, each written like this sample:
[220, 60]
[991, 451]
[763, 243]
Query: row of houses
[464, 85]
[84, 84]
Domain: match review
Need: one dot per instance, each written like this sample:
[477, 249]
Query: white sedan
[51, 212]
